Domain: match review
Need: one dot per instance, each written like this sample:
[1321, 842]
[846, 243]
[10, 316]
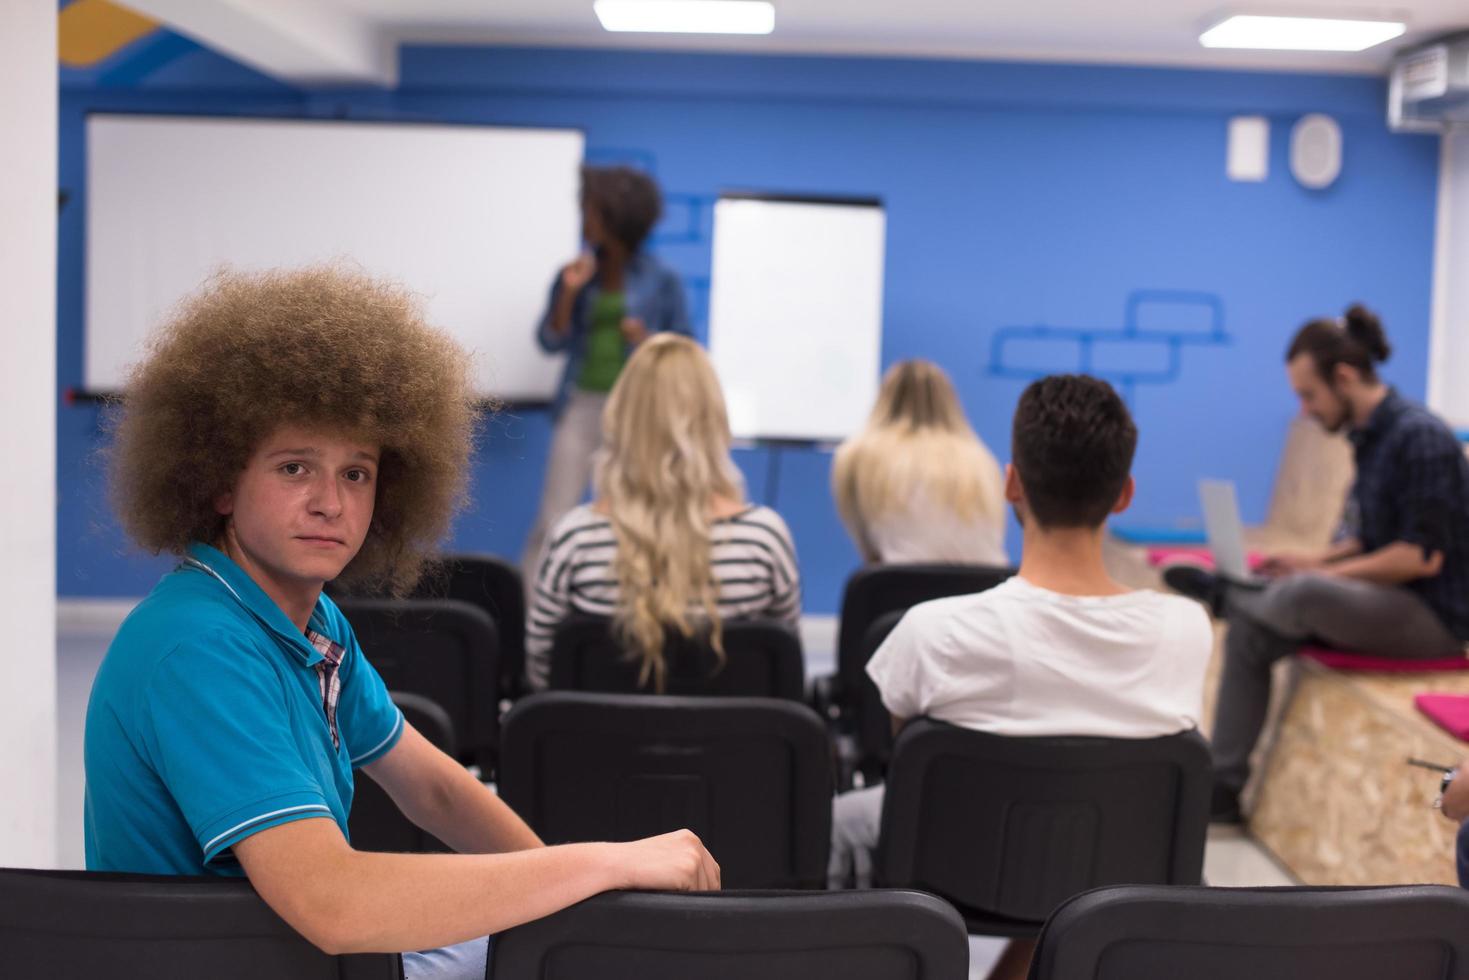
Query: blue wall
[1017, 196]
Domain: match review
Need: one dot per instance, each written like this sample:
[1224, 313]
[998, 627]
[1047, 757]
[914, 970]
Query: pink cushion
[1448, 711]
[1337, 660]
[1198, 554]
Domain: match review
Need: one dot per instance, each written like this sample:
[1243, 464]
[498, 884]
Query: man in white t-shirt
[1060, 649]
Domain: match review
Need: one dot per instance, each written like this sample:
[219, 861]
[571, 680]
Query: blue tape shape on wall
[693, 229]
[1081, 343]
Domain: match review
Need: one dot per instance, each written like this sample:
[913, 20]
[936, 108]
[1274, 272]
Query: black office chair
[494, 585]
[762, 659]
[1156, 933]
[751, 776]
[376, 823]
[151, 927]
[875, 591]
[1009, 828]
[869, 935]
[870, 719]
[445, 650]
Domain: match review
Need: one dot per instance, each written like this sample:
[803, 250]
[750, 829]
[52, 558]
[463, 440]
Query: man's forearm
[348, 901]
[471, 819]
[362, 902]
[1393, 564]
[420, 901]
[1341, 550]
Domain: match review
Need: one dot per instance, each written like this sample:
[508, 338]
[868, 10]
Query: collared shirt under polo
[206, 724]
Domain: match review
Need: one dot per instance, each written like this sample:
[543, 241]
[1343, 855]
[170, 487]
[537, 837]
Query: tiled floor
[83, 632]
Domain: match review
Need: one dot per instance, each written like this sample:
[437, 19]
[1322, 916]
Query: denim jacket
[654, 294]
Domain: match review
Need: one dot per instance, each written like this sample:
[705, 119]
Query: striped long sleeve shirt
[753, 561]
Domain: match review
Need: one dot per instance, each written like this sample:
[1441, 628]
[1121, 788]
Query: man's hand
[578, 272]
[1290, 563]
[1456, 798]
[669, 862]
[634, 330]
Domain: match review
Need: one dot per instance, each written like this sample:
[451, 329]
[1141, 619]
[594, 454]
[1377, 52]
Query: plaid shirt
[1413, 485]
[329, 679]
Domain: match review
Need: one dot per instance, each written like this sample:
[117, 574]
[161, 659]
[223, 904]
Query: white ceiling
[1151, 32]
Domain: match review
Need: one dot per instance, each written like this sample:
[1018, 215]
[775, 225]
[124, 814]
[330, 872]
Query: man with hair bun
[286, 430]
[1396, 581]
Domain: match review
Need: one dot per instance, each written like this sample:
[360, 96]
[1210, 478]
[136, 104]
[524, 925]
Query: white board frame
[476, 219]
[795, 313]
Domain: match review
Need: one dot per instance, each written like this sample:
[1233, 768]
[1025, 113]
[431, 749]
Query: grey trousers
[464, 961]
[856, 821]
[1270, 623]
[575, 440]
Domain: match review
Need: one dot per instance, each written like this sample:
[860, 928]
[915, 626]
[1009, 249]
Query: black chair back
[1009, 828]
[152, 927]
[870, 718]
[880, 589]
[869, 935]
[1151, 933]
[762, 660]
[444, 650]
[496, 586]
[376, 823]
[751, 776]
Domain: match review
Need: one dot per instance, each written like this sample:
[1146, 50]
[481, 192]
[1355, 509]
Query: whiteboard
[475, 219]
[795, 315]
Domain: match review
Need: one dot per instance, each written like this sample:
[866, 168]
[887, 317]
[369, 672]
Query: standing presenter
[602, 305]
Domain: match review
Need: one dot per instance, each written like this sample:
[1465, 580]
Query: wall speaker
[1315, 151]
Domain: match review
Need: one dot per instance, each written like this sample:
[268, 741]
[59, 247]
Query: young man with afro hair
[286, 430]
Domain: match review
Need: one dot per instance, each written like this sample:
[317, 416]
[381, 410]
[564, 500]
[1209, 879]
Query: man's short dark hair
[627, 201]
[1072, 445]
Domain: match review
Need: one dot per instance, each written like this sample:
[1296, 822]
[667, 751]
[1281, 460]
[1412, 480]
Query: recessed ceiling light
[1299, 33]
[687, 16]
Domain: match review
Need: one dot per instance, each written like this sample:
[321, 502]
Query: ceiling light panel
[687, 16]
[1299, 33]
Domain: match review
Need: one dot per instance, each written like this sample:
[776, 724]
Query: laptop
[1225, 532]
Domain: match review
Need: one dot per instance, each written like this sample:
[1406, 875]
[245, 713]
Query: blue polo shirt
[208, 723]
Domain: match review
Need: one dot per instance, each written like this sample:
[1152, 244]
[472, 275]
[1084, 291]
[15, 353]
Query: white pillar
[28, 107]
[1448, 352]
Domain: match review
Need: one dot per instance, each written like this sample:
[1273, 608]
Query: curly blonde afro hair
[321, 347]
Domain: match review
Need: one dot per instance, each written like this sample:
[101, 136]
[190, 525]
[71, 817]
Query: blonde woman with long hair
[917, 484]
[669, 540]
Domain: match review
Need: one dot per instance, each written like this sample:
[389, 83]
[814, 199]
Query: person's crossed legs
[1268, 624]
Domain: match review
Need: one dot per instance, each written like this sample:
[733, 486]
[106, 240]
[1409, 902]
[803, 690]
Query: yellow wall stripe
[92, 30]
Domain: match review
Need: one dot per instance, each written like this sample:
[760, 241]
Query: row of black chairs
[131, 927]
[460, 642]
[1004, 828]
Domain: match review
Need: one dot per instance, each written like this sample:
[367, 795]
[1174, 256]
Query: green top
[605, 349]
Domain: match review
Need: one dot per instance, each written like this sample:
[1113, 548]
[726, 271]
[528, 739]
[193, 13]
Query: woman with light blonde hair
[669, 542]
[917, 484]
